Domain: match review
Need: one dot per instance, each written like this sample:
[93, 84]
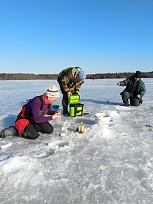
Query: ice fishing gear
[75, 107]
[63, 131]
[86, 113]
[81, 128]
[148, 125]
[74, 99]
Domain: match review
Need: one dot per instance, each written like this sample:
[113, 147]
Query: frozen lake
[112, 162]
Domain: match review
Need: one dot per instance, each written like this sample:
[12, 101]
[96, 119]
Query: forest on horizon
[30, 76]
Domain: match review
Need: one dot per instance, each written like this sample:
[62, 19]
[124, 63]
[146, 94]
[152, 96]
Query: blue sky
[46, 36]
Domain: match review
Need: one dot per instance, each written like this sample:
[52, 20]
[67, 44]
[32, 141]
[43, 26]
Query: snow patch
[5, 146]
[16, 164]
[106, 117]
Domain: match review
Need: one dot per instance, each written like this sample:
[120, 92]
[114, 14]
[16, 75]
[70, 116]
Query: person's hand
[118, 84]
[58, 112]
[57, 115]
[69, 93]
[138, 96]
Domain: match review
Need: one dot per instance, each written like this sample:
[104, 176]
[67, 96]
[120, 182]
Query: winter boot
[11, 131]
[126, 104]
[65, 111]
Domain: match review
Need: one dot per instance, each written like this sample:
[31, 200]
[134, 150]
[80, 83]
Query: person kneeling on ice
[70, 81]
[135, 90]
[36, 114]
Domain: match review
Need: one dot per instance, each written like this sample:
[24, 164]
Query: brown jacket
[67, 80]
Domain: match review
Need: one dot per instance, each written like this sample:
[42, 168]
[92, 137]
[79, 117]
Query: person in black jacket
[135, 90]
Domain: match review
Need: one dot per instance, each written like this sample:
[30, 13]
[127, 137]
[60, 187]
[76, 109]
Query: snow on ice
[112, 162]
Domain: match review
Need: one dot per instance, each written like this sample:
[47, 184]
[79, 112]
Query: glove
[118, 84]
[77, 92]
[138, 96]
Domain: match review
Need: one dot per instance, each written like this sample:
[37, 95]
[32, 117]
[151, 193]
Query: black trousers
[31, 130]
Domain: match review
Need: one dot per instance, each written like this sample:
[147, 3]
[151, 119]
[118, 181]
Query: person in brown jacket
[70, 81]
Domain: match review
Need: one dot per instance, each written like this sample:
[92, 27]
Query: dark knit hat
[138, 74]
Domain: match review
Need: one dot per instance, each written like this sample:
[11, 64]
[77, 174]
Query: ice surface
[112, 162]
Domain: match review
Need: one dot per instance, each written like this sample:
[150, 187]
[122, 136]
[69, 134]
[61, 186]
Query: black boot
[10, 131]
[65, 111]
[126, 104]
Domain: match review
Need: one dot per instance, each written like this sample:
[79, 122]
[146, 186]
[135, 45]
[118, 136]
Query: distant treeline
[25, 76]
[118, 75]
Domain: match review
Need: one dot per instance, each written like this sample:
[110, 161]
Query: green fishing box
[76, 109]
[74, 99]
